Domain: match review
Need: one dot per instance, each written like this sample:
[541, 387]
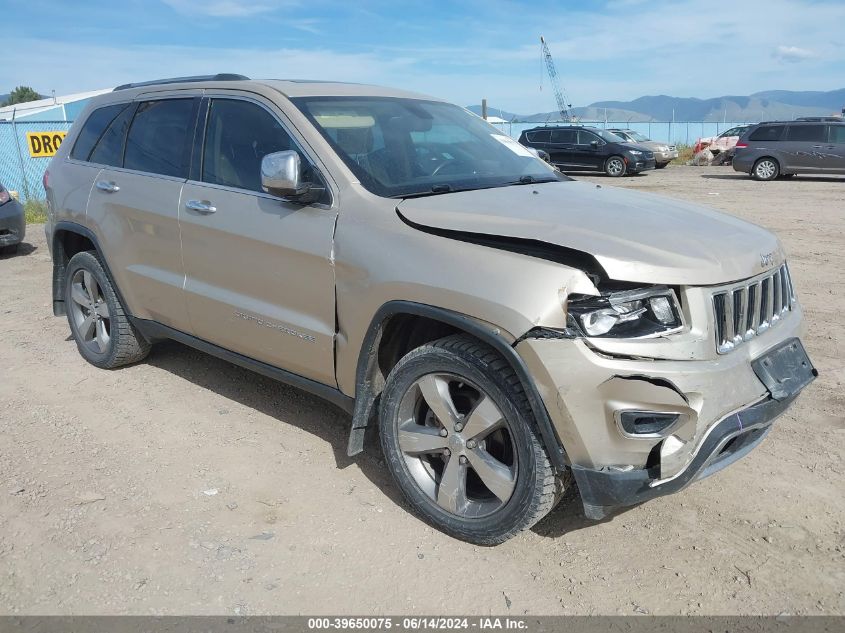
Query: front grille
[743, 311]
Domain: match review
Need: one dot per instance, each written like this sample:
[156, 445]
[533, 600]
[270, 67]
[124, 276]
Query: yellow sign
[43, 144]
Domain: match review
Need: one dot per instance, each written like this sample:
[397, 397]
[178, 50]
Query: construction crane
[562, 105]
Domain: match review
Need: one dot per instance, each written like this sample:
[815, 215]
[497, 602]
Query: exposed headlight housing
[626, 314]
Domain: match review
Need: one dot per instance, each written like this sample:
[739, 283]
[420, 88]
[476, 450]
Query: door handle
[200, 206]
[109, 186]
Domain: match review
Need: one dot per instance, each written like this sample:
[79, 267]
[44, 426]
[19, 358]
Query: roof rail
[182, 80]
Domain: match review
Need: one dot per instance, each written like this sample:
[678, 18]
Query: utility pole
[484, 109]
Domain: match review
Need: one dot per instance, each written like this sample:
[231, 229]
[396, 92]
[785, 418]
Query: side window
[767, 133]
[568, 137]
[93, 129]
[585, 138]
[540, 136]
[808, 133]
[837, 134]
[109, 149]
[238, 135]
[157, 141]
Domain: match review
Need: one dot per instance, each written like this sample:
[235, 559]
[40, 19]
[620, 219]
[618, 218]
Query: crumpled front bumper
[724, 409]
[603, 490]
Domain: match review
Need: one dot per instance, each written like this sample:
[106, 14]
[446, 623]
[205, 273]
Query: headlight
[627, 314]
[635, 152]
[4, 196]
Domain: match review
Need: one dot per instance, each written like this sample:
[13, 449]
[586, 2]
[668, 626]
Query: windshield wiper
[528, 180]
[434, 191]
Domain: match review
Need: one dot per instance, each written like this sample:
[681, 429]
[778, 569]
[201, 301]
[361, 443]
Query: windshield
[408, 147]
[610, 137]
[636, 136]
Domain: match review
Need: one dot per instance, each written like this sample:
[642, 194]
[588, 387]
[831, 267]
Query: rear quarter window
[109, 149]
[767, 133]
[837, 134]
[540, 136]
[93, 129]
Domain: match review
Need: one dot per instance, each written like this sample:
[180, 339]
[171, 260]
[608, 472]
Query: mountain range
[767, 105]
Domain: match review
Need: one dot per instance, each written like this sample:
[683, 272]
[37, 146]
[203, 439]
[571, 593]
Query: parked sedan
[578, 148]
[12, 222]
[664, 153]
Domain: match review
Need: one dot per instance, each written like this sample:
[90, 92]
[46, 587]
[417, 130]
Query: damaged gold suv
[511, 331]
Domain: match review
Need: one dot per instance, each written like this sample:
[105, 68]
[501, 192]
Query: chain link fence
[674, 132]
[19, 170]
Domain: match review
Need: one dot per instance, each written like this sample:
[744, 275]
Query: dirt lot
[187, 485]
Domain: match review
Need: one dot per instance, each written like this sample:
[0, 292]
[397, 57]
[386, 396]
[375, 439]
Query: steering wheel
[449, 162]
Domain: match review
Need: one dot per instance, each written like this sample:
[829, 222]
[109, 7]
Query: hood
[653, 145]
[634, 236]
[637, 146]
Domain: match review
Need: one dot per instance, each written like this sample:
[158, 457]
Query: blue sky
[461, 51]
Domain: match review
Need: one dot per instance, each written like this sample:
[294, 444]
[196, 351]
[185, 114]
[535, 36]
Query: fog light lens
[646, 422]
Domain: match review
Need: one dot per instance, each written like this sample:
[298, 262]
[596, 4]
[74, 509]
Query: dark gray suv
[783, 149]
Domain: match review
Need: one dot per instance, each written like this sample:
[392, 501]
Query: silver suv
[513, 332]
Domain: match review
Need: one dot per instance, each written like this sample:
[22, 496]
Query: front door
[835, 149]
[259, 269]
[588, 150]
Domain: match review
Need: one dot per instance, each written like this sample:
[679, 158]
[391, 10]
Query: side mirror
[281, 175]
[594, 144]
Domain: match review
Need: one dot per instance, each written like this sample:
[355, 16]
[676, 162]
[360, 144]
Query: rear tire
[765, 169]
[615, 166]
[104, 335]
[461, 442]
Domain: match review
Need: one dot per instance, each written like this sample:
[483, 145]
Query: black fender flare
[366, 373]
[59, 266]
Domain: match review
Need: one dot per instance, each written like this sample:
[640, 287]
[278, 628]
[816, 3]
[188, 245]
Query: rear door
[259, 269]
[804, 148]
[562, 147]
[134, 203]
[835, 148]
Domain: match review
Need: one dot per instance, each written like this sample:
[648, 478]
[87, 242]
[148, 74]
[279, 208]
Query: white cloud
[226, 8]
[793, 54]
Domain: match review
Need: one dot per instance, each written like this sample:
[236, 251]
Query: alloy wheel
[90, 312]
[615, 167]
[457, 445]
[766, 170]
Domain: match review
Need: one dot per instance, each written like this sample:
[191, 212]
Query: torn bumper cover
[731, 439]
[705, 414]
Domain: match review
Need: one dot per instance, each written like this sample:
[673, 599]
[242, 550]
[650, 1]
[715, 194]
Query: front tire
[461, 443]
[765, 169]
[103, 334]
[615, 166]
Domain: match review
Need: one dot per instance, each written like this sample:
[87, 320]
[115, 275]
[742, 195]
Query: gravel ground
[187, 485]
